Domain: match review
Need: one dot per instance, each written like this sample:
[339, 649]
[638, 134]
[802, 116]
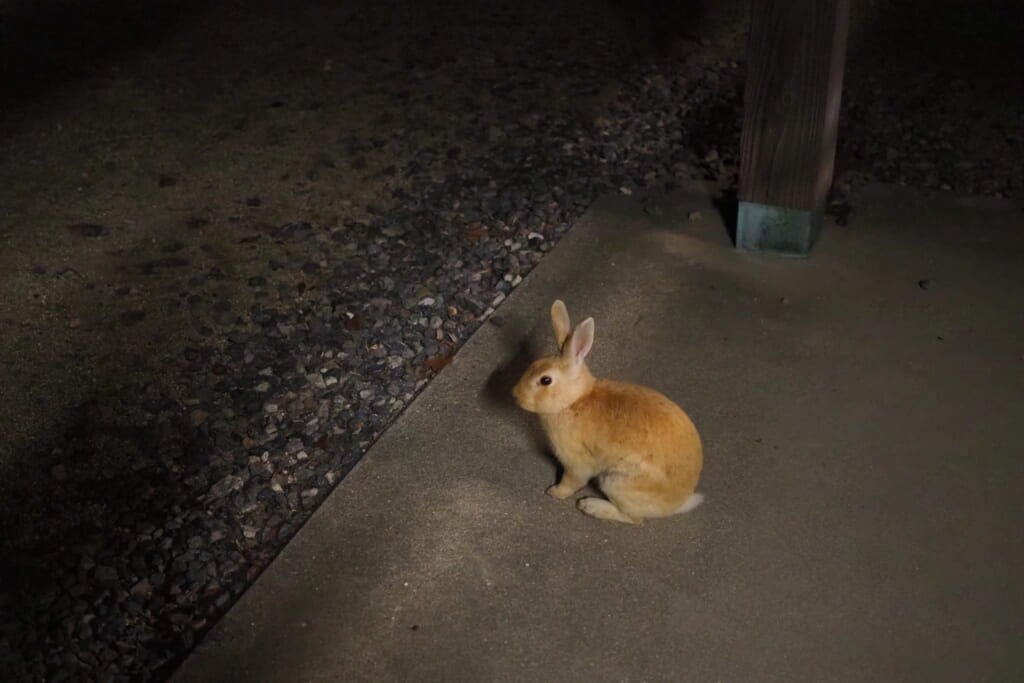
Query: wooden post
[791, 113]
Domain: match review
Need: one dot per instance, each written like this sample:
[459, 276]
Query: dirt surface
[150, 154]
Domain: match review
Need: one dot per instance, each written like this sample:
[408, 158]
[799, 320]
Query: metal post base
[777, 230]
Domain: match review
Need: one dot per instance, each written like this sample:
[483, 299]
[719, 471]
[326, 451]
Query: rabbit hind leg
[605, 509]
[638, 496]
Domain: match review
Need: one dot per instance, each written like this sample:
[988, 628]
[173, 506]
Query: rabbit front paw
[570, 483]
[560, 491]
[604, 509]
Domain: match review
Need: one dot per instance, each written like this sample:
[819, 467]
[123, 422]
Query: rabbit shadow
[497, 392]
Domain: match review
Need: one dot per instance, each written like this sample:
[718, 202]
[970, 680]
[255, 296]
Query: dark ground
[238, 238]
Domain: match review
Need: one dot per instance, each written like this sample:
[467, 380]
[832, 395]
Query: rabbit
[643, 449]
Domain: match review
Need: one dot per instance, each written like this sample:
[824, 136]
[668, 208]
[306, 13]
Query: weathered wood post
[794, 85]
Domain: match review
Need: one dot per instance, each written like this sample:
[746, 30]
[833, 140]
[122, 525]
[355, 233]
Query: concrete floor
[864, 435]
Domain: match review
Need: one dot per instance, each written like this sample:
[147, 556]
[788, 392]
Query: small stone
[695, 216]
[228, 484]
[87, 229]
[925, 284]
[106, 576]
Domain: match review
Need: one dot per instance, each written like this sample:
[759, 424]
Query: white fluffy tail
[691, 502]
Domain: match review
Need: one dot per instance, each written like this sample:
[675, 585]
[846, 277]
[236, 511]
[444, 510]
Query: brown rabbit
[642, 447]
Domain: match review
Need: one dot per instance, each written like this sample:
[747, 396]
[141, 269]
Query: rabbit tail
[691, 502]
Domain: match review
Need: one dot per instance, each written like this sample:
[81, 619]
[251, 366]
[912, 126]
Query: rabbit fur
[643, 449]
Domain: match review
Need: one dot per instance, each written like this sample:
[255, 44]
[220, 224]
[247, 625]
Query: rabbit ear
[579, 343]
[560, 321]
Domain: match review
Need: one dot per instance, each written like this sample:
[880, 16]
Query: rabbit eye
[545, 380]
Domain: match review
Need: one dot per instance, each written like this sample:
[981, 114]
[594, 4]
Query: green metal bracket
[777, 230]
